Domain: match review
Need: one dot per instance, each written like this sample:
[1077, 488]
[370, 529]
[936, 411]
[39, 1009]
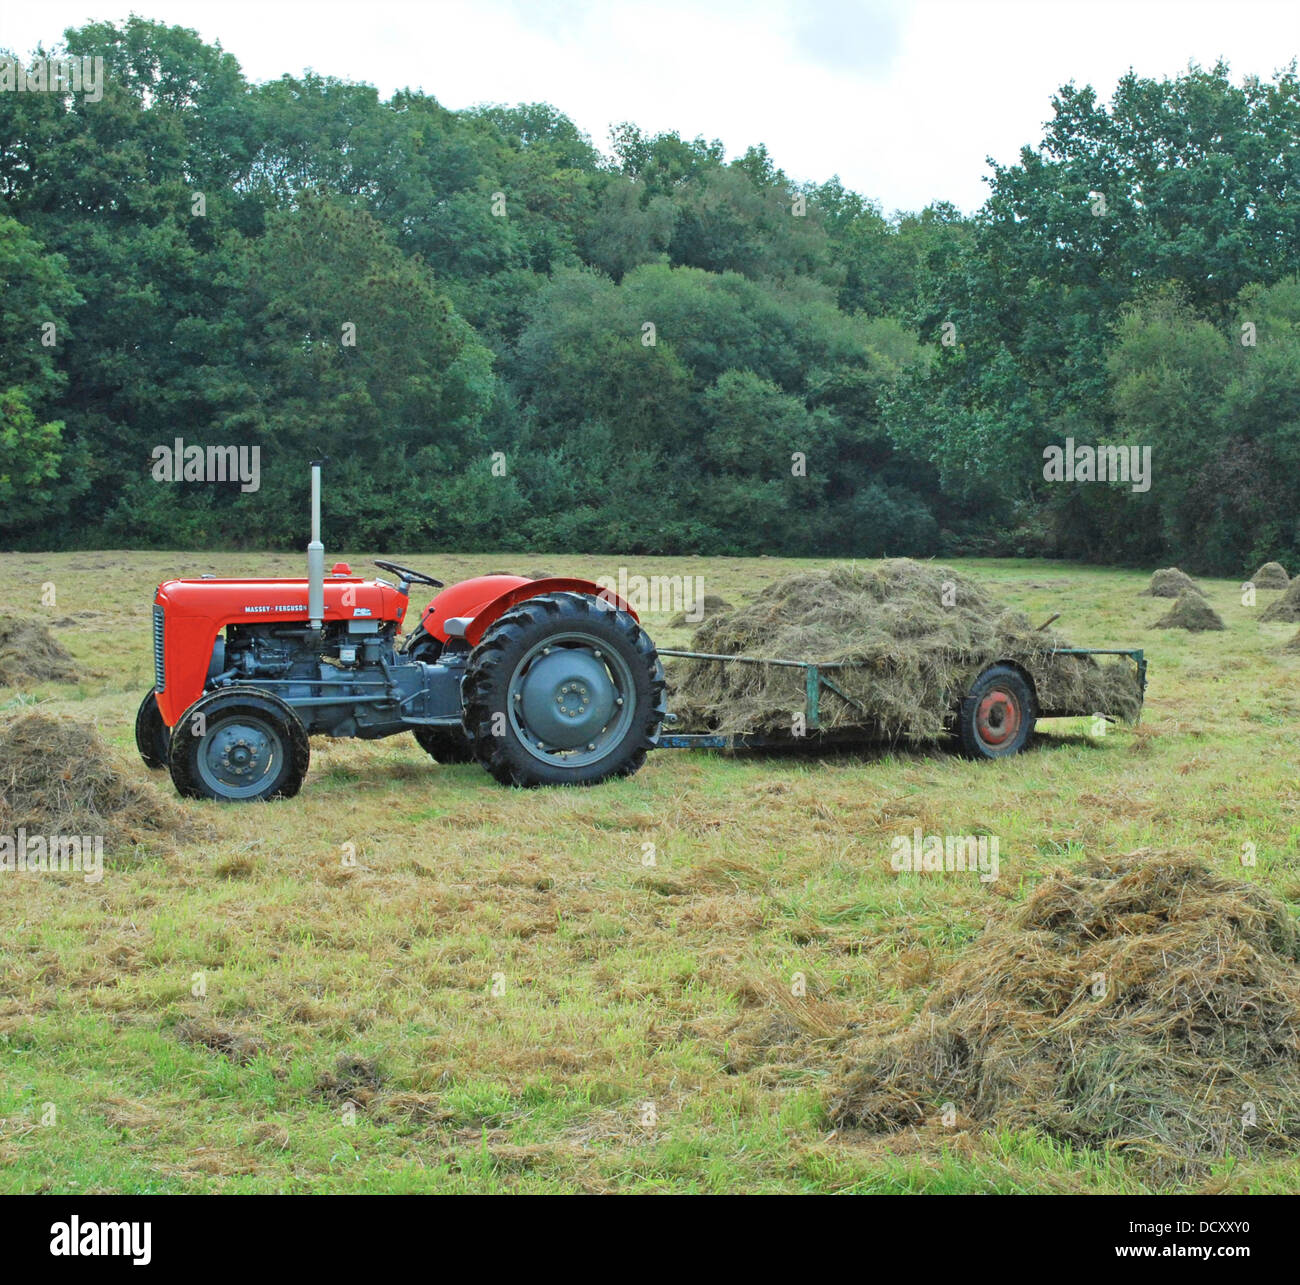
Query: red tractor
[544, 682]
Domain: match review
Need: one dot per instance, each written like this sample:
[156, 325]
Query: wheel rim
[998, 718]
[239, 756]
[571, 699]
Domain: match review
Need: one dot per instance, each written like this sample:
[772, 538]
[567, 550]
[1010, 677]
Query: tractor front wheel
[564, 689]
[997, 716]
[152, 736]
[238, 747]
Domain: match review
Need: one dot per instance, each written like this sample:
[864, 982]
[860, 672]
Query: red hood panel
[233, 602]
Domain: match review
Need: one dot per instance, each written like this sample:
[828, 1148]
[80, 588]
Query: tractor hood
[189, 614]
[233, 602]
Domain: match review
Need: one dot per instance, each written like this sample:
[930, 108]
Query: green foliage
[658, 350]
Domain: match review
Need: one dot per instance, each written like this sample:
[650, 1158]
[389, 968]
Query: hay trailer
[994, 719]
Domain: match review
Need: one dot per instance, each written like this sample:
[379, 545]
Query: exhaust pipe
[316, 555]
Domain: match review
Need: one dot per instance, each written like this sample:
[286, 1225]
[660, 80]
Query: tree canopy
[506, 338]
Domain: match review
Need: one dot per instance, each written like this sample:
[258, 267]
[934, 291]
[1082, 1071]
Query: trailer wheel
[152, 736]
[239, 747]
[997, 716]
[444, 744]
[564, 689]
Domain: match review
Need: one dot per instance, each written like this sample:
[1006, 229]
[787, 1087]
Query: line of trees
[505, 339]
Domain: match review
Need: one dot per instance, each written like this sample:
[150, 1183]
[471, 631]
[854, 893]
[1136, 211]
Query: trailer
[994, 719]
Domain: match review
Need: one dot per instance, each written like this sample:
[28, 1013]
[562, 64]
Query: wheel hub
[566, 698]
[998, 718]
[238, 753]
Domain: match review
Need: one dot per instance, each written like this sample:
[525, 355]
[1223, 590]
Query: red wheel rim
[998, 718]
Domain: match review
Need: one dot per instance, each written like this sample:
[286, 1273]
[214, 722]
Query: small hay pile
[709, 606]
[913, 637]
[1191, 611]
[1272, 575]
[1293, 645]
[1147, 1005]
[1287, 607]
[58, 777]
[1170, 582]
[29, 654]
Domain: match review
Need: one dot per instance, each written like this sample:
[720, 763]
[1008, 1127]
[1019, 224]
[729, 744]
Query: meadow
[410, 978]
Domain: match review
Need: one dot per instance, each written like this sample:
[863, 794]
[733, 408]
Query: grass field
[512, 998]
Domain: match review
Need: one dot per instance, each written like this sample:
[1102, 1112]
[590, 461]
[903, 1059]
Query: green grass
[620, 984]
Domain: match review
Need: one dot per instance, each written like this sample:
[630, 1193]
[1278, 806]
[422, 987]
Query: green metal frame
[815, 680]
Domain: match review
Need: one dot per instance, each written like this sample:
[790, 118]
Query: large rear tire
[564, 689]
[239, 746]
[997, 715]
[444, 744]
[152, 736]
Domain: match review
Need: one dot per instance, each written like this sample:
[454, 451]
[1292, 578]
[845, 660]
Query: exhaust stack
[316, 555]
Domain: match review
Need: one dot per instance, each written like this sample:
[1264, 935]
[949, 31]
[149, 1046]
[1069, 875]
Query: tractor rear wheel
[444, 744]
[564, 689]
[239, 746]
[997, 716]
[152, 736]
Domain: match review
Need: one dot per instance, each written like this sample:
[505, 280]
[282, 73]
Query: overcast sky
[903, 100]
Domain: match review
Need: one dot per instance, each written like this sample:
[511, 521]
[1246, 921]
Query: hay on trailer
[29, 653]
[1287, 607]
[1146, 1004]
[1170, 582]
[58, 777]
[709, 606]
[1190, 612]
[912, 637]
[1272, 575]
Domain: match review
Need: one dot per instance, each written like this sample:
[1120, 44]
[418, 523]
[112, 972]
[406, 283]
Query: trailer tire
[997, 716]
[239, 746]
[152, 736]
[564, 689]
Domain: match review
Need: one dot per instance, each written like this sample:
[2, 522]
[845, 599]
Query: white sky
[903, 100]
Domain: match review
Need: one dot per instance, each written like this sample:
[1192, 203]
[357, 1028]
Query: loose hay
[29, 654]
[1170, 582]
[909, 656]
[1272, 575]
[1148, 1005]
[1190, 612]
[1287, 607]
[709, 606]
[58, 777]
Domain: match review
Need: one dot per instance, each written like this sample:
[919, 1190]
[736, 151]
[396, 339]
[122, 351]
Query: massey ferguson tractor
[544, 682]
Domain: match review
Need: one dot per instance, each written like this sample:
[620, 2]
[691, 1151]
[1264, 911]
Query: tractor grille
[159, 673]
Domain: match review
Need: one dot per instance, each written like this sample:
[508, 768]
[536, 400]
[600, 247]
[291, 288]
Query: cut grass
[546, 1010]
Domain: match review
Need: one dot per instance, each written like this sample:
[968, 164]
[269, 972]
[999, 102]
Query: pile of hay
[58, 777]
[1293, 645]
[1272, 575]
[709, 606]
[910, 657]
[29, 654]
[1287, 607]
[1170, 582]
[1147, 1005]
[1191, 611]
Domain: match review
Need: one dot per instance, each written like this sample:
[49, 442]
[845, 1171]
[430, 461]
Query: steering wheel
[406, 575]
